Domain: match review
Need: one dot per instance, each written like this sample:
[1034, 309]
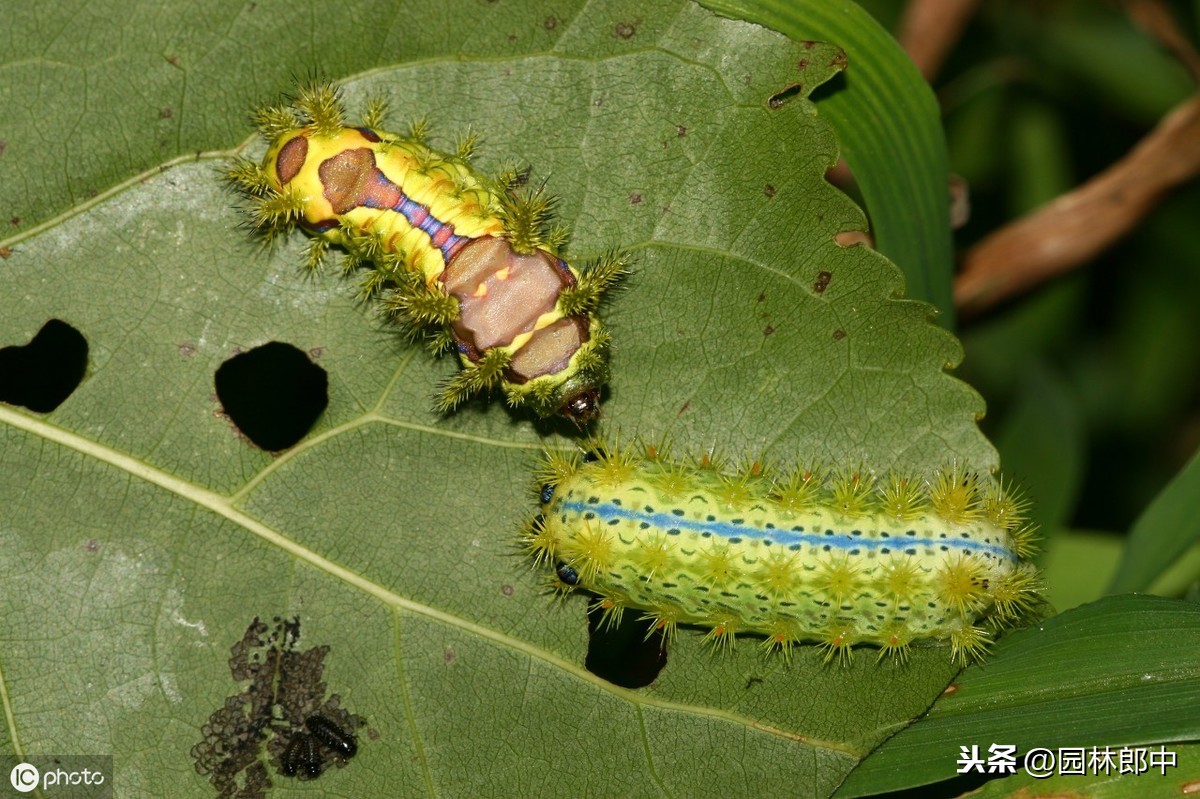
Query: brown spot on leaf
[850, 238]
[839, 334]
[187, 349]
[952, 688]
[768, 330]
[635, 198]
[92, 545]
[680, 131]
[769, 190]
[550, 23]
[173, 60]
[839, 61]
[165, 113]
[5, 252]
[506, 590]
[16, 221]
[684, 407]
[822, 282]
[762, 296]
[624, 30]
[448, 656]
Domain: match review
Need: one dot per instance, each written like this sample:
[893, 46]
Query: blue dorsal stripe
[607, 511]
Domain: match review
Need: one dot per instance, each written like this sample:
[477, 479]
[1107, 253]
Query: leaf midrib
[225, 507]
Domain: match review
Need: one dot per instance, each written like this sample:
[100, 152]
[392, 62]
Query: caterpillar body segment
[457, 259]
[835, 558]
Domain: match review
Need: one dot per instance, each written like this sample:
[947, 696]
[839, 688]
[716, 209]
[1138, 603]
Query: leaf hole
[627, 654]
[780, 97]
[41, 375]
[273, 394]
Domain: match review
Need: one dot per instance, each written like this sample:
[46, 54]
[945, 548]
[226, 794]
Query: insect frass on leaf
[457, 259]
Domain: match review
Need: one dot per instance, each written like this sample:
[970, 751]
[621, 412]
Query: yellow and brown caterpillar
[461, 260]
[833, 557]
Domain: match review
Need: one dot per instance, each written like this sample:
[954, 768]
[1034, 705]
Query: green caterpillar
[463, 261]
[836, 558]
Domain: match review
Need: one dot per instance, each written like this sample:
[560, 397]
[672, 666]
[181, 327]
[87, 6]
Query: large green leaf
[1164, 531]
[1120, 671]
[139, 534]
[891, 133]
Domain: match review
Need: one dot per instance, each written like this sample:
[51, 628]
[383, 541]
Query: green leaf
[1164, 531]
[1120, 671]
[140, 534]
[1175, 772]
[889, 125]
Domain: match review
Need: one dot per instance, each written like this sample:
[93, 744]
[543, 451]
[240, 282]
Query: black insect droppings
[822, 282]
[264, 725]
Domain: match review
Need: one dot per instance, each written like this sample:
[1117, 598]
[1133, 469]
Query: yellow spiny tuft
[721, 635]
[466, 145]
[717, 567]
[779, 573]
[615, 467]
[954, 495]
[735, 490]
[611, 611]
[537, 541]
[320, 104]
[594, 280]
[968, 643]
[960, 583]
[709, 462]
[895, 645]
[249, 178]
[672, 481]
[273, 121]
[420, 306]
[377, 108]
[314, 254]
[664, 620]
[852, 492]
[418, 130]
[484, 374]
[800, 491]
[837, 643]
[555, 467]
[902, 499]
[277, 212]
[527, 212]
[901, 579]
[1025, 541]
[1016, 593]
[590, 552]
[1004, 506]
[652, 554]
[782, 636]
[838, 579]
